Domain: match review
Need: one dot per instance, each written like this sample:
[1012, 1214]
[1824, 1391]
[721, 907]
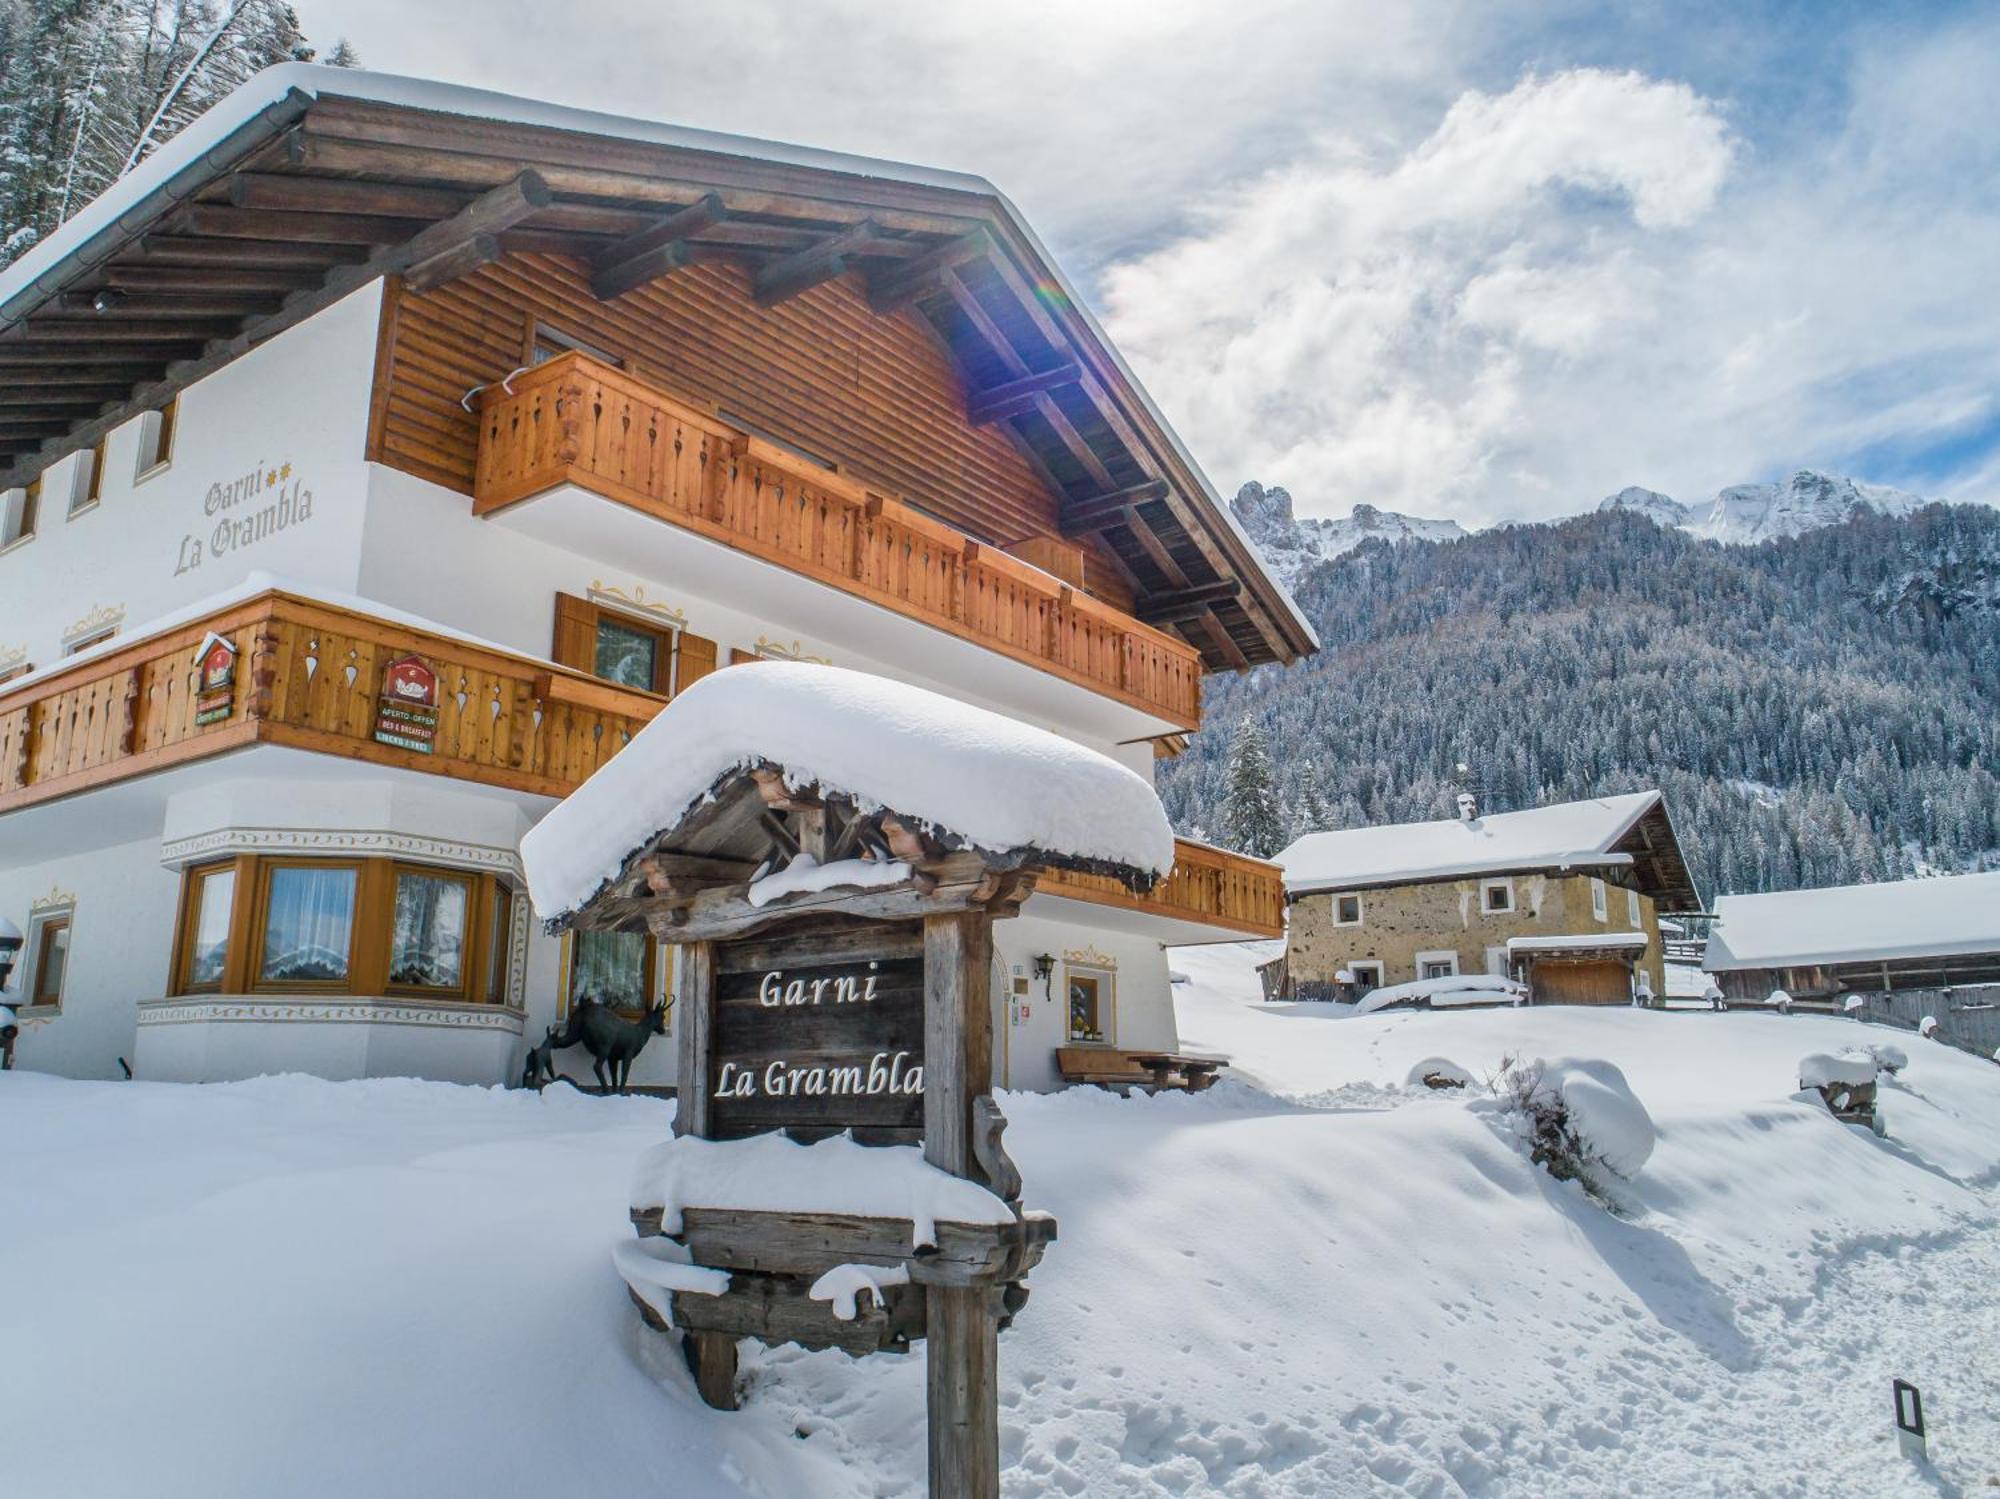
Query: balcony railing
[577, 421]
[1208, 885]
[308, 675]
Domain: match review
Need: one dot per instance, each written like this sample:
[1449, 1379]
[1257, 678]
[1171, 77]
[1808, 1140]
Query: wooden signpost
[858, 1006]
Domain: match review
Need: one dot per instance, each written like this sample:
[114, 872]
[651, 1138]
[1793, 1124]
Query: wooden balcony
[308, 675]
[577, 421]
[1208, 885]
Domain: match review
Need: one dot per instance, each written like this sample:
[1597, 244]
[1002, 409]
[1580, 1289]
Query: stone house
[1565, 898]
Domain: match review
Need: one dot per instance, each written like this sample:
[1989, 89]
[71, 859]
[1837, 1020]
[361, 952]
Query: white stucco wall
[153, 545]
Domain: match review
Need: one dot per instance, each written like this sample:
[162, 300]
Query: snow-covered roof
[1000, 784]
[1934, 918]
[202, 147]
[1569, 835]
[1580, 942]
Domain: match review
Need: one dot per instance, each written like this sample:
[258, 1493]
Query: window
[1367, 977]
[613, 968]
[550, 343]
[500, 932]
[433, 919]
[634, 655]
[1632, 910]
[86, 480]
[369, 926]
[17, 514]
[1442, 964]
[51, 960]
[1496, 897]
[156, 439]
[18, 669]
[308, 924]
[212, 899]
[1496, 963]
[1597, 906]
[644, 654]
[1091, 995]
[85, 641]
[1347, 910]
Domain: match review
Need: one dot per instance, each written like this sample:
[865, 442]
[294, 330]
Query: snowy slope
[1291, 545]
[1315, 1282]
[1746, 513]
[1648, 502]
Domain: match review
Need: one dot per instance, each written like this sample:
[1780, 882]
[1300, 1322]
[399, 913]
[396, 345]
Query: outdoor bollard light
[1910, 1421]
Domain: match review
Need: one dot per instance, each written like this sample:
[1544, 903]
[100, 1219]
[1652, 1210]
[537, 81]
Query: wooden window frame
[547, 335]
[189, 917]
[650, 969]
[573, 643]
[42, 929]
[267, 869]
[158, 429]
[19, 669]
[22, 513]
[487, 969]
[469, 966]
[1360, 909]
[1107, 1004]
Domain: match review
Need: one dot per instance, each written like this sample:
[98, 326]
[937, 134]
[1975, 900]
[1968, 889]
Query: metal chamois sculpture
[613, 1042]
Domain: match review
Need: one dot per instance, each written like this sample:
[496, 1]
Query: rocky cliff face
[1291, 546]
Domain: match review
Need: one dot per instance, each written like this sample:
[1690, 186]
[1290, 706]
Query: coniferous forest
[89, 87]
[1820, 710]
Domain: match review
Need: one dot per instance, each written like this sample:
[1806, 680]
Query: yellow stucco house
[1564, 898]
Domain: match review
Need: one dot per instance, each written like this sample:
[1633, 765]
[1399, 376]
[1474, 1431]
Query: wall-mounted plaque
[406, 712]
[215, 680]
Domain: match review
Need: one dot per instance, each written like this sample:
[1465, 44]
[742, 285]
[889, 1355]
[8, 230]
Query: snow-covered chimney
[1468, 806]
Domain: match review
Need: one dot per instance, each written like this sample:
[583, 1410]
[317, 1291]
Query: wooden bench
[1109, 1067]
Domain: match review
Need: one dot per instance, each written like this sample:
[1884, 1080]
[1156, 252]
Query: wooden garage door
[1597, 983]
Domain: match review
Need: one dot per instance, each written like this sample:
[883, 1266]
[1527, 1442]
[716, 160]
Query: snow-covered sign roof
[1000, 785]
[1936, 918]
[1593, 834]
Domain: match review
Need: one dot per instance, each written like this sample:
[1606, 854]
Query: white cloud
[1365, 330]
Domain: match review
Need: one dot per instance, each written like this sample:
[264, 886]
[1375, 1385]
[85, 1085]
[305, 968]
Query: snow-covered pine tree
[1250, 818]
[89, 88]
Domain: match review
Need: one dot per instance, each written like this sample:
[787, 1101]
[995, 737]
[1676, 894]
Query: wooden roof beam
[653, 252]
[55, 332]
[1188, 603]
[915, 278]
[1225, 645]
[506, 204]
[292, 193]
[802, 270]
[997, 402]
[289, 227]
[198, 279]
[82, 306]
[1080, 517]
[465, 241]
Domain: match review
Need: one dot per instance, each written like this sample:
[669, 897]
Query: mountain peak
[1291, 546]
[1665, 509]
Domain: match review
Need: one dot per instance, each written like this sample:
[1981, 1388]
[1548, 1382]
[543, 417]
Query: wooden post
[694, 1019]
[962, 1327]
[711, 1358]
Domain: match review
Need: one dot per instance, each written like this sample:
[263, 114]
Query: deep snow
[1312, 1280]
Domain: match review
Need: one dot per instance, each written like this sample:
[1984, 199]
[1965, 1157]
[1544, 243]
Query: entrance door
[1598, 982]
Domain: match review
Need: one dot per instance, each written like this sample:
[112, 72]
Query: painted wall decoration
[215, 680]
[246, 510]
[406, 711]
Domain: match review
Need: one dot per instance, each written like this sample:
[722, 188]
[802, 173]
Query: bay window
[265, 925]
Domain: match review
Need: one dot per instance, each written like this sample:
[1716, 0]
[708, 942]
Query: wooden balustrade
[308, 675]
[1208, 885]
[576, 421]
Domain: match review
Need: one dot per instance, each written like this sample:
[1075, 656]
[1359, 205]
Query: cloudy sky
[1464, 259]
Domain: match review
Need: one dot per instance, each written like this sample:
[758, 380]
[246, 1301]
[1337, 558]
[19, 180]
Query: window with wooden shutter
[623, 648]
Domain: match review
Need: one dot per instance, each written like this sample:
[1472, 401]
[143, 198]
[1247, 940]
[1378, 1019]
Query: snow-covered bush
[1438, 1072]
[1847, 1069]
[1578, 1117]
[1890, 1057]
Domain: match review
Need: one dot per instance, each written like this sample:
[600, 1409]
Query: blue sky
[1454, 257]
